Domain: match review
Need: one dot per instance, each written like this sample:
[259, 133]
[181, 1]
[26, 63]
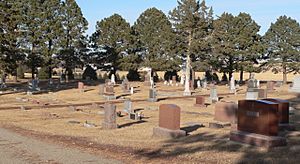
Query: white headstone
[232, 85]
[165, 82]
[296, 85]
[131, 90]
[113, 79]
[182, 80]
[258, 84]
[198, 84]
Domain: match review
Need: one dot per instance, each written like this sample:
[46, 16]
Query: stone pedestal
[257, 139]
[200, 101]
[169, 122]
[109, 116]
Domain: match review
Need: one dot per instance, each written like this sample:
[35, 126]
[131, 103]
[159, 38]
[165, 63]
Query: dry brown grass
[203, 145]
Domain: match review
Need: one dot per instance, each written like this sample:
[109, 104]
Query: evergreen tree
[193, 24]
[52, 31]
[111, 40]
[74, 25]
[154, 31]
[10, 53]
[33, 38]
[283, 42]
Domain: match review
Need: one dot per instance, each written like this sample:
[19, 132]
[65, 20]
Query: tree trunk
[50, 59]
[284, 73]
[32, 72]
[241, 74]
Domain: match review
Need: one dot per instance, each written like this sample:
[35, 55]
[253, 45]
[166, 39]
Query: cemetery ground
[77, 125]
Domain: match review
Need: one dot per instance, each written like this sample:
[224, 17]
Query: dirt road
[18, 149]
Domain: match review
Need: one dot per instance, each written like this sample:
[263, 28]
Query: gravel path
[18, 149]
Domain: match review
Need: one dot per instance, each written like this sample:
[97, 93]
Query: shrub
[133, 75]
[89, 72]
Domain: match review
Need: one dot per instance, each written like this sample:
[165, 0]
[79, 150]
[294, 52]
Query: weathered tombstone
[258, 83]
[258, 124]
[147, 78]
[81, 86]
[232, 85]
[109, 92]
[283, 113]
[256, 93]
[252, 82]
[101, 89]
[125, 86]
[152, 95]
[296, 85]
[213, 94]
[200, 101]
[270, 86]
[205, 84]
[169, 122]
[110, 115]
[127, 106]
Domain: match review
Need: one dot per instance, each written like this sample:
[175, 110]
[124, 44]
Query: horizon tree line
[51, 33]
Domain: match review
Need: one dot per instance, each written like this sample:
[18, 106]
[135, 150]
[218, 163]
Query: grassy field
[134, 138]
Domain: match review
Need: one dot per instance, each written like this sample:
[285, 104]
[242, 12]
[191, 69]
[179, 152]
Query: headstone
[258, 124]
[258, 84]
[33, 86]
[125, 86]
[110, 115]
[232, 85]
[182, 79]
[113, 79]
[109, 92]
[165, 82]
[147, 78]
[200, 101]
[252, 82]
[131, 90]
[101, 89]
[256, 93]
[213, 94]
[169, 122]
[128, 107]
[152, 95]
[205, 84]
[81, 86]
[226, 112]
[270, 86]
[283, 113]
[198, 84]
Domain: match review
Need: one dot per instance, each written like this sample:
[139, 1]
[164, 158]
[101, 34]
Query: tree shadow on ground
[216, 146]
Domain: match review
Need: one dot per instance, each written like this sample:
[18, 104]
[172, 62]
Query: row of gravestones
[255, 122]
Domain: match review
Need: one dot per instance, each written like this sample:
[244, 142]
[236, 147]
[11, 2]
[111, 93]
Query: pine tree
[10, 20]
[112, 39]
[74, 25]
[192, 23]
[283, 43]
[33, 35]
[153, 27]
[52, 31]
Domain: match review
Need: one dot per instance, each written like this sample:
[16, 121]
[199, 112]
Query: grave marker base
[167, 133]
[257, 139]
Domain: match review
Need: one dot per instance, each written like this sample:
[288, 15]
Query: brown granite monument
[169, 122]
[109, 116]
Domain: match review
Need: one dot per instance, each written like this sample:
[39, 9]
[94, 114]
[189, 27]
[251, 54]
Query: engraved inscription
[252, 114]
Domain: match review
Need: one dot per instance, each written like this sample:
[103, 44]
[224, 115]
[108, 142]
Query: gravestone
[33, 86]
[283, 113]
[204, 84]
[213, 94]
[252, 82]
[256, 93]
[110, 115]
[109, 92]
[296, 85]
[131, 90]
[147, 78]
[258, 83]
[81, 86]
[226, 112]
[270, 86]
[113, 79]
[232, 85]
[200, 101]
[152, 95]
[128, 107]
[125, 85]
[258, 124]
[169, 122]
[198, 84]
[182, 79]
[101, 89]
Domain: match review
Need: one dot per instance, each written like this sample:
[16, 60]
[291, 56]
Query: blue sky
[262, 11]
